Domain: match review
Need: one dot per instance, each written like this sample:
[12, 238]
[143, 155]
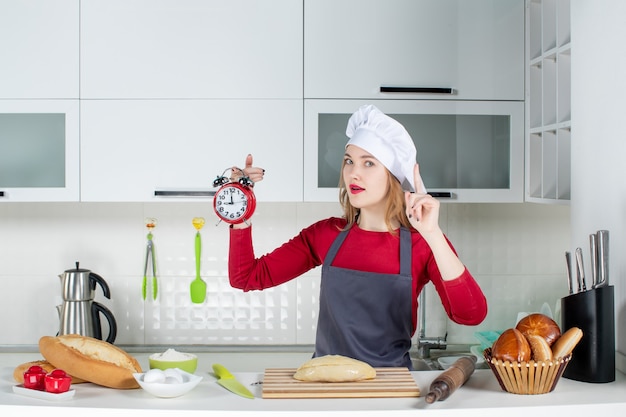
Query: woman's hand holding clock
[235, 204]
[254, 173]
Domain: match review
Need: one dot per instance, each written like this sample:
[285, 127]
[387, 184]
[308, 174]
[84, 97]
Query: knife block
[592, 311]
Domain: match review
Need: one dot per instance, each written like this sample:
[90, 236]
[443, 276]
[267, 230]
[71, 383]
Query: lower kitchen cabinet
[131, 149]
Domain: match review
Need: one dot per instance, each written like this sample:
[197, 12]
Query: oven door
[468, 151]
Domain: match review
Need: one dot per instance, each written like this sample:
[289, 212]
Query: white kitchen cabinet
[548, 102]
[241, 49]
[352, 48]
[39, 150]
[39, 44]
[468, 151]
[131, 149]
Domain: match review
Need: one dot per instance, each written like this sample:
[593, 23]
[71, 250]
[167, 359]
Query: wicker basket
[527, 377]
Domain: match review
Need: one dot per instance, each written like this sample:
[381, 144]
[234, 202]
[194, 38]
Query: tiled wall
[514, 250]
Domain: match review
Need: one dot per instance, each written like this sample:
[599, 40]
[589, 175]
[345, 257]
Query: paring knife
[580, 270]
[228, 381]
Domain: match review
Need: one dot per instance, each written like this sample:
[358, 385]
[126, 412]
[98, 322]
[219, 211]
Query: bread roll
[541, 325]
[511, 346]
[567, 342]
[18, 373]
[91, 359]
[334, 368]
[540, 350]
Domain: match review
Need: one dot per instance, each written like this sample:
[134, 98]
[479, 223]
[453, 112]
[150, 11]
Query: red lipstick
[355, 189]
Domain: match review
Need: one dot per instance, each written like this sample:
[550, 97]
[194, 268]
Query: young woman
[376, 258]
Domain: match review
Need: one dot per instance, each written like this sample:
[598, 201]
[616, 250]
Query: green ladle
[198, 286]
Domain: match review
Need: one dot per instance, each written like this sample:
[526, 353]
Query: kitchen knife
[580, 270]
[593, 246]
[603, 258]
[228, 381]
[568, 264]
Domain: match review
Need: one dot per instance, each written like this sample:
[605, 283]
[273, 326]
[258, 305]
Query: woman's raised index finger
[417, 180]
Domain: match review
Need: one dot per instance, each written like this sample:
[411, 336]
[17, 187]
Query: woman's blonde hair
[394, 209]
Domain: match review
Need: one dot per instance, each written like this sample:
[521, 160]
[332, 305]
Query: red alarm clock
[234, 201]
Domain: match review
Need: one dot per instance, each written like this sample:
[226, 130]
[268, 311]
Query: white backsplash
[515, 251]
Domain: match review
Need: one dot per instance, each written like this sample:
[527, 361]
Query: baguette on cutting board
[18, 372]
[91, 359]
[334, 368]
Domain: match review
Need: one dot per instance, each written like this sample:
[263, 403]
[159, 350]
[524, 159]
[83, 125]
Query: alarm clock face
[232, 203]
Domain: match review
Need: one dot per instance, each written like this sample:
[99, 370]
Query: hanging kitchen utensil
[198, 286]
[150, 260]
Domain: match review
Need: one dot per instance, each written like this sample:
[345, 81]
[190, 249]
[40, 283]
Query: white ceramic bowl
[165, 390]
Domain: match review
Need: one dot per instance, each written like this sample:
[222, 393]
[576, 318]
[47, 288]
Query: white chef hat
[386, 139]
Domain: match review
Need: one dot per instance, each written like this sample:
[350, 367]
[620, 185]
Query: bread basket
[529, 377]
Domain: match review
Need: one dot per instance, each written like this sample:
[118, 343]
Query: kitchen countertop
[480, 396]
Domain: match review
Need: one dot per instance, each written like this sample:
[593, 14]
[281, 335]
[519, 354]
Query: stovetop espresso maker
[79, 313]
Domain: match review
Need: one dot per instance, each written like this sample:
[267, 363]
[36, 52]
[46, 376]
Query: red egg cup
[57, 382]
[34, 378]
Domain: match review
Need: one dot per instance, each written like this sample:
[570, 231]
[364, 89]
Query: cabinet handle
[183, 193]
[440, 194]
[427, 90]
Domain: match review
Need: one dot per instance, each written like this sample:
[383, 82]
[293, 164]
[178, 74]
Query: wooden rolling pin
[451, 379]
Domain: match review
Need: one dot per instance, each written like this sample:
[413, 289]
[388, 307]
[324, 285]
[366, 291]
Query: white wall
[598, 138]
[514, 250]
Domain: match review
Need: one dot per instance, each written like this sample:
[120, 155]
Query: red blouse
[362, 250]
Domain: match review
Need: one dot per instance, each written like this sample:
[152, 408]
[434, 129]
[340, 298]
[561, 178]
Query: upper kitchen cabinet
[548, 102]
[430, 49]
[243, 49]
[40, 46]
[172, 150]
[39, 149]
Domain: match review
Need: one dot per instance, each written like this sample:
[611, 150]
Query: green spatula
[198, 286]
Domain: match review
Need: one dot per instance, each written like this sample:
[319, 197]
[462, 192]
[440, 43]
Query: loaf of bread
[511, 346]
[567, 342]
[334, 368]
[540, 325]
[91, 359]
[18, 372]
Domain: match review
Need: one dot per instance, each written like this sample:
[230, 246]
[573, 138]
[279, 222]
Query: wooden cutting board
[389, 382]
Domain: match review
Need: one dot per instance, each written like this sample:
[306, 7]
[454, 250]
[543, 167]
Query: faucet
[425, 344]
